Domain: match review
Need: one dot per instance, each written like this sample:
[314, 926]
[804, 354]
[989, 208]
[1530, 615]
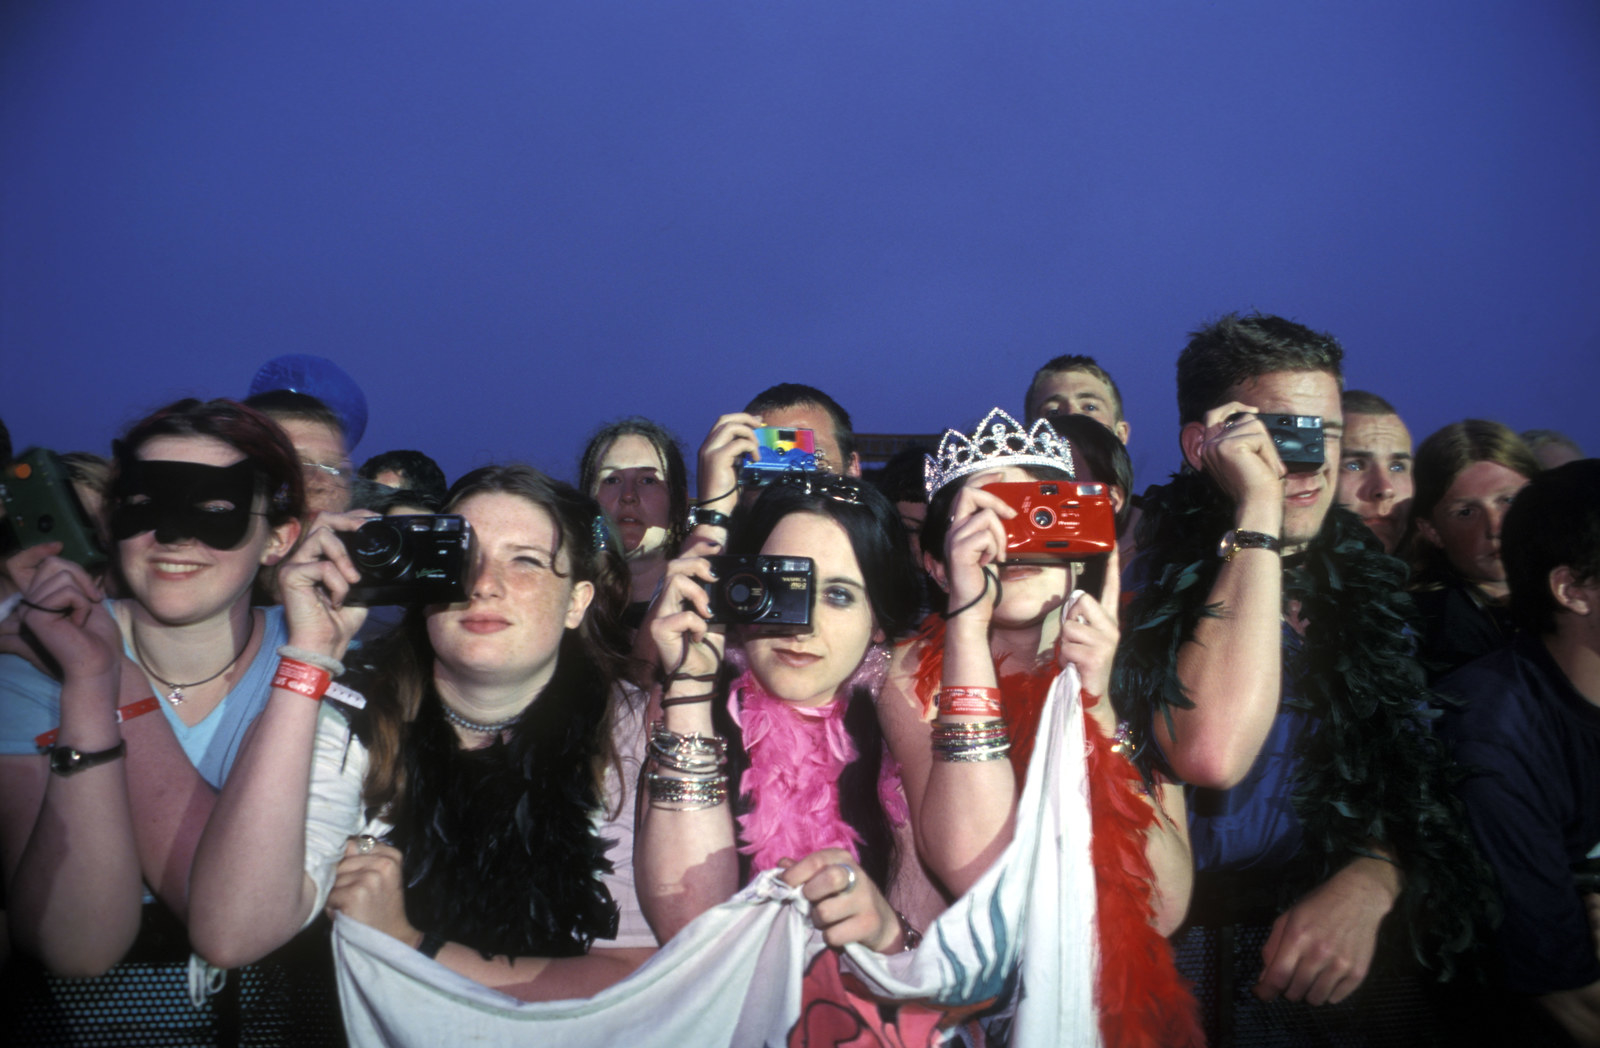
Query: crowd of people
[1339, 702]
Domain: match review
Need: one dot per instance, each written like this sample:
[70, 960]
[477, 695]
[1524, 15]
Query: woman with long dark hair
[479, 808]
[807, 784]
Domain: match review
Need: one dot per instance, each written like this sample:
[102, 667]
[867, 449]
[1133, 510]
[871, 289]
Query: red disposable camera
[1056, 520]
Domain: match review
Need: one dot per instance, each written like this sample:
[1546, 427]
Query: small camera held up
[416, 559]
[41, 506]
[1056, 521]
[1298, 439]
[780, 451]
[773, 593]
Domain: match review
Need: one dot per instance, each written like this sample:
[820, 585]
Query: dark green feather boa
[1370, 768]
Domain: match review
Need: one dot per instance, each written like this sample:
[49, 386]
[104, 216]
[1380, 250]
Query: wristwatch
[700, 515]
[64, 760]
[1236, 540]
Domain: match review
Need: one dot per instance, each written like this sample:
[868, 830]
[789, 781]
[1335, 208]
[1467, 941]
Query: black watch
[64, 760]
[700, 515]
[1236, 540]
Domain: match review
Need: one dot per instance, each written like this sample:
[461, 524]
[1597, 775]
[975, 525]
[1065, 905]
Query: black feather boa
[1370, 768]
[501, 851]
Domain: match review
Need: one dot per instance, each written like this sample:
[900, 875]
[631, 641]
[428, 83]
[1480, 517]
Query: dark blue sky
[511, 222]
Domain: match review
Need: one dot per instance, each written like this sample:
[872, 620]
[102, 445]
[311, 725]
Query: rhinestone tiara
[999, 440]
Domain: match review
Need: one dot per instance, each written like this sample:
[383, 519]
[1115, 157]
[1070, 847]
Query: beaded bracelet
[693, 753]
[687, 794]
[971, 741]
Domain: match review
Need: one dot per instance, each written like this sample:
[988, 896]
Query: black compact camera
[417, 559]
[1298, 439]
[41, 506]
[770, 592]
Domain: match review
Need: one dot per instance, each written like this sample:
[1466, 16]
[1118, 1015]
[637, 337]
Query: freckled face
[808, 668]
[523, 597]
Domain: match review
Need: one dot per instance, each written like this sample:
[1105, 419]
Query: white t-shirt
[334, 811]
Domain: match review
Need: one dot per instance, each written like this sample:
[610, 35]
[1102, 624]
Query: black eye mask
[170, 499]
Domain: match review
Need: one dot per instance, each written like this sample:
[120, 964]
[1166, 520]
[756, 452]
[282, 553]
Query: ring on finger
[850, 873]
[365, 843]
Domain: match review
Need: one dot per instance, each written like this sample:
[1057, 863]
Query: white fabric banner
[1025, 933]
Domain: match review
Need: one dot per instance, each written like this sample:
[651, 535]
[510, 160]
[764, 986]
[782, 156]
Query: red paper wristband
[302, 677]
[969, 702]
[45, 740]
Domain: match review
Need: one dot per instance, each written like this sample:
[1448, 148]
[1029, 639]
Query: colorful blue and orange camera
[781, 451]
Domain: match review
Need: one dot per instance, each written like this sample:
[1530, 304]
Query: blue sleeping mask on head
[185, 500]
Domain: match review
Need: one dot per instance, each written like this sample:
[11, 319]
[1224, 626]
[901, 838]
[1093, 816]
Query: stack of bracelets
[696, 760]
[985, 740]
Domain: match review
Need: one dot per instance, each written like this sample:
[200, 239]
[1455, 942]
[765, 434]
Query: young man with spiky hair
[1266, 656]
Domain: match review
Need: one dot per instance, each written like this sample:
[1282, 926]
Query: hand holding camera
[976, 541]
[1056, 520]
[679, 620]
[778, 451]
[314, 585]
[731, 440]
[1238, 453]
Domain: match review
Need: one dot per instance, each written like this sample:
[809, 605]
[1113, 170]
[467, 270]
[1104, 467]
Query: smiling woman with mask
[118, 720]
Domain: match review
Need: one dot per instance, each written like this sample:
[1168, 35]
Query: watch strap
[64, 760]
[1240, 539]
[700, 515]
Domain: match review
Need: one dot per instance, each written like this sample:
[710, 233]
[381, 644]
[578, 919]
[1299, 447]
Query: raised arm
[685, 860]
[73, 888]
[1231, 668]
[249, 892]
[968, 809]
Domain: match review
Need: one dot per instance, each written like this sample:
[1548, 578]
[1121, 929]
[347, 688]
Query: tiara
[999, 440]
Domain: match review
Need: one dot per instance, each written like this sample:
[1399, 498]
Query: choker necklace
[471, 725]
[176, 696]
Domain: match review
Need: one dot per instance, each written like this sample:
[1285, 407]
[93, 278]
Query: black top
[1533, 799]
[1458, 624]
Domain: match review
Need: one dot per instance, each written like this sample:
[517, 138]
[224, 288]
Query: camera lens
[746, 594]
[378, 546]
[1043, 517]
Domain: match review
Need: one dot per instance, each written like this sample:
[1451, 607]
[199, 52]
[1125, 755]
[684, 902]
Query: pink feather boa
[797, 754]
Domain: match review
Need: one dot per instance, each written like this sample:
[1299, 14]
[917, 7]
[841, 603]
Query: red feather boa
[1144, 1002]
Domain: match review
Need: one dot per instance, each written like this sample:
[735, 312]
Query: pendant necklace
[176, 696]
